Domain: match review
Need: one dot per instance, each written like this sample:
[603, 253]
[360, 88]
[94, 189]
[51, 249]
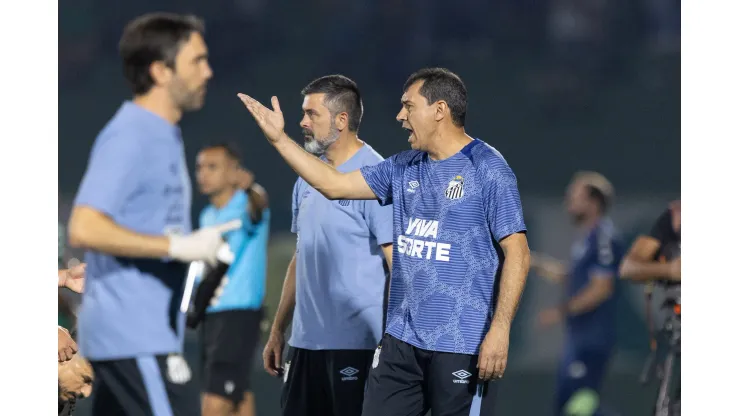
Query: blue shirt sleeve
[296, 204]
[379, 220]
[380, 179]
[605, 255]
[113, 174]
[504, 213]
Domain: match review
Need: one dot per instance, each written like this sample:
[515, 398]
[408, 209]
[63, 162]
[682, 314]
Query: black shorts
[324, 382]
[228, 344]
[409, 381]
[144, 386]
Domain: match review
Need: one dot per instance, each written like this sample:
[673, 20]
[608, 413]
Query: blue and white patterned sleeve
[504, 213]
[380, 179]
[605, 255]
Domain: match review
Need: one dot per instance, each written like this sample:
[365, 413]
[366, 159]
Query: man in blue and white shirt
[456, 210]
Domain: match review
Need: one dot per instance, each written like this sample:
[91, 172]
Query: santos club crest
[455, 188]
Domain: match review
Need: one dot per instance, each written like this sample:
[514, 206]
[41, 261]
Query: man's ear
[341, 121]
[440, 110]
[161, 74]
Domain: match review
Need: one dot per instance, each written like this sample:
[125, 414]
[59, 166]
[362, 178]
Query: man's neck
[590, 222]
[158, 102]
[222, 198]
[446, 143]
[343, 149]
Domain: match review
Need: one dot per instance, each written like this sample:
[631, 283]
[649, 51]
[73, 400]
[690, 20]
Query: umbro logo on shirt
[349, 373]
[462, 377]
[412, 186]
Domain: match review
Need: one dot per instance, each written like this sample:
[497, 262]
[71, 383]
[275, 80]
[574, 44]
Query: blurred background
[556, 85]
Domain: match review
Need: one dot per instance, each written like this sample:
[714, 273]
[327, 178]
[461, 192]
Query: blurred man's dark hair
[342, 95]
[440, 84]
[231, 150]
[150, 38]
[599, 189]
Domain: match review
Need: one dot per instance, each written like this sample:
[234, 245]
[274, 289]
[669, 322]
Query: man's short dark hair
[150, 38]
[597, 196]
[342, 95]
[231, 150]
[598, 188]
[442, 84]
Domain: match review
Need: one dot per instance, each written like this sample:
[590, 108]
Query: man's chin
[312, 148]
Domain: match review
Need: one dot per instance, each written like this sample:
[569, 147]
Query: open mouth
[411, 132]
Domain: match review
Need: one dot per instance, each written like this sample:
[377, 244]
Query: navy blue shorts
[408, 381]
[144, 386]
[580, 369]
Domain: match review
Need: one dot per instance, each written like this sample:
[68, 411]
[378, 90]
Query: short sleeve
[605, 255]
[113, 174]
[295, 204]
[663, 228]
[379, 219]
[504, 213]
[379, 178]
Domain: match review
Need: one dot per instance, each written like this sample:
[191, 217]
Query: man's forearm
[586, 300]
[513, 280]
[318, 174]
[643, 271]
[92, 230]
[284, 313]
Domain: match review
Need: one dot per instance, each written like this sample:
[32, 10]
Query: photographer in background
[657, 256]
[656, 259]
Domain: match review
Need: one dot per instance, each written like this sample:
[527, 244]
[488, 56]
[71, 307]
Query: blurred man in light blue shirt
[335, 285]
[231, 327]
[132, 215]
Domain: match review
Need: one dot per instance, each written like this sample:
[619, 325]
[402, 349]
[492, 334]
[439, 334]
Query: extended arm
[548, 267]
[322, 177]
[328, 181]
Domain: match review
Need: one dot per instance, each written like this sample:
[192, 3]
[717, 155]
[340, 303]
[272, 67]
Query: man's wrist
[62, 278]
[282, 140]
[277, 330]
[500, 325]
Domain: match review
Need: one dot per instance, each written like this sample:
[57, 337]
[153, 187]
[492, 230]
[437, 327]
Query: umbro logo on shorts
[349, 373]
[229, 387]
[178, 371]
[462, 377]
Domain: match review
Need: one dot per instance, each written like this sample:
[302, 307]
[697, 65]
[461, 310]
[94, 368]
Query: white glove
[203, 244]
